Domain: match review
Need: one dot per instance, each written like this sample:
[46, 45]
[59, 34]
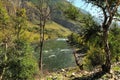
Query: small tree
[44, 13]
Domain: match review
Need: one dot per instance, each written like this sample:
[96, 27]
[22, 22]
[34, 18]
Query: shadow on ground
[93, 76]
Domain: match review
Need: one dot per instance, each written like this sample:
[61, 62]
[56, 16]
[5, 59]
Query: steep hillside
[52, 29]
[58, 14]
[58, 26]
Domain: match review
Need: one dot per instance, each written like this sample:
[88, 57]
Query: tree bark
[77, 61]
[40, 58]
[41, 47]
[43, 17]
[107, 66]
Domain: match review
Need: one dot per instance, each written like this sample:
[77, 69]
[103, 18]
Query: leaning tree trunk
[77, 61]
[107, 66]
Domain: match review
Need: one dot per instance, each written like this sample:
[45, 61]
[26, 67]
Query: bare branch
[116, 19]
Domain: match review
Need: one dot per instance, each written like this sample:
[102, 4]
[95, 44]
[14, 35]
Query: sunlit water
[57, 54]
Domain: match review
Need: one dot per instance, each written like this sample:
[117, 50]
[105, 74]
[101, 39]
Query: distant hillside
[58, 7]
[58, 26]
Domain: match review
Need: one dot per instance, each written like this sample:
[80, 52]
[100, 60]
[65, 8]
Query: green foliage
[4, 18]
[20, 22]
[16, 60]
[103, 3]
[74, 39]
[88, 21]
[90, 34]
[21, 62]
[71, 12]
[116, 68]
[93, 35]
[90, 38]
[114, 39]
[89, 41]
[95, 57]
[28, 67]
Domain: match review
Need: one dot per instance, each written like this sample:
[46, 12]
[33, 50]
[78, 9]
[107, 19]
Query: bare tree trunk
[42, 26]
[77, 61]
[44, 14]
[41, 48]
[107, 66]
[40, 59]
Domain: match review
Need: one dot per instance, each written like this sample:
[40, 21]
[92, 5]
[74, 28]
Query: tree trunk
[41, 48]
[77, 61]
[43, 17]
[107, 66]
[40, 58]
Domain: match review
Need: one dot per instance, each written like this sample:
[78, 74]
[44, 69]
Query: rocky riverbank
[73, 73]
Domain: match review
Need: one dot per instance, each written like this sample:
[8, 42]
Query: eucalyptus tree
[109, 9]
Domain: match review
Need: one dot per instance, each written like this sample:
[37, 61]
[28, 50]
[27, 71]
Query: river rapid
[57, 54]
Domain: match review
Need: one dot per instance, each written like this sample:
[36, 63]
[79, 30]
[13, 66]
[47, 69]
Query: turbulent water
[57, 54]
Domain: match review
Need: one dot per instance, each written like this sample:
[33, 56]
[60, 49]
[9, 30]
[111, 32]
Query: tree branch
[117, 19]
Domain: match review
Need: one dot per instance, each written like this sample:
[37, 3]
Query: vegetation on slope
[52, 31]
[19, 28]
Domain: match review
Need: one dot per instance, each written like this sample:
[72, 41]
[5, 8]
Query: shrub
[94, 58]
[21, 63]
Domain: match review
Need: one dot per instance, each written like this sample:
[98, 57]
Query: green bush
[94, 58]
[21, 63]
[72, 12]
[28, 67]
[21, 69]
[114, 42]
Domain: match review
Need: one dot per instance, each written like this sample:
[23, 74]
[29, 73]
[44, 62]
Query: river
[57, 54]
